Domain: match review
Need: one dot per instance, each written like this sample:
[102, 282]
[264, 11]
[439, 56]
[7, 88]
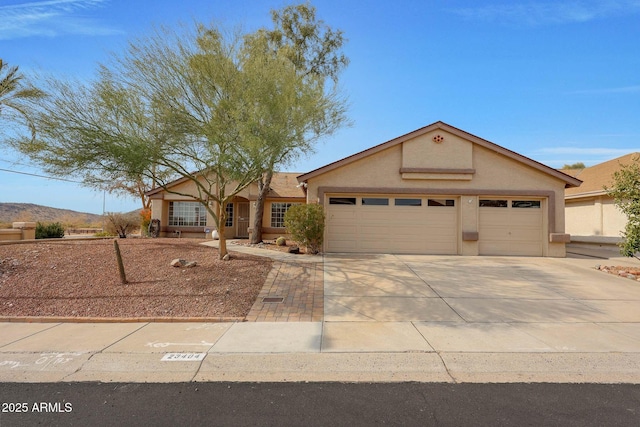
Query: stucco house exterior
[180, 214]
[591, 214]
[436, 190]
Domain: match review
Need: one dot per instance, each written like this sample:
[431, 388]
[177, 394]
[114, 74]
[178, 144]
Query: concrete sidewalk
[475, 346]
[318, 351]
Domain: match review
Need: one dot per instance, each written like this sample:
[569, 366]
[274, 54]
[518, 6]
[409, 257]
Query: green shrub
[49, 231]
[281, 241]
[305, 223]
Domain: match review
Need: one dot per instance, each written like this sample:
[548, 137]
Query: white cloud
[536, 13]
[50, 18]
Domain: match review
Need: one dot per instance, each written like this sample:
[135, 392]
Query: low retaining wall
[20, 231]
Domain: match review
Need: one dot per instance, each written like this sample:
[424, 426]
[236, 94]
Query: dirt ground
[79, 278]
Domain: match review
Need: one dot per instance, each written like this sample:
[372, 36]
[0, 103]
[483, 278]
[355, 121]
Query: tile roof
[595, 178]
[285, 184]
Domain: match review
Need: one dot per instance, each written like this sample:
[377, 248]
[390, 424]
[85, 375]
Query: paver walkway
[294, 289]
[293, 292]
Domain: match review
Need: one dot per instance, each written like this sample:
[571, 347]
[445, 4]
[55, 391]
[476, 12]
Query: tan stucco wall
[594, 216]
[160, 209]
[19, 231]
[422, 152]
[494, 174]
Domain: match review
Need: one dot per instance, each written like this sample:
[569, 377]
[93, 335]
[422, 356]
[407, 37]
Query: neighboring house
[436, 190]
[181, 214]
[591, 215]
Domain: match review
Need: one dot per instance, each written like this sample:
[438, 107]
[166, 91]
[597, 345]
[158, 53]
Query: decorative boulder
[294, 250]
[183, 263]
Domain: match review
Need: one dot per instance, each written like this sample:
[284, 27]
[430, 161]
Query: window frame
[502, 203]
[230, 212]
[343, 201]
[521, 204]
[277, 217]
[374, 201]
[406, 201]
[436, 203]
[187, 214]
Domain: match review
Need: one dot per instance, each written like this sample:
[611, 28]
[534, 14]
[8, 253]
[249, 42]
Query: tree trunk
[222, 218]
[264, 185]
[123, 276]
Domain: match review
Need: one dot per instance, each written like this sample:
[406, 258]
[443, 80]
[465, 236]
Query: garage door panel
[394, 229]
[341, 246]
[493, 233]
[510, 230]
[415, 217]
[375, 230]
[409, 231]
[493, 247]
[375, 244]
[525, 248]
[526, 220]
[532, 234]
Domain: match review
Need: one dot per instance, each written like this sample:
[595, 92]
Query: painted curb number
[183, 357]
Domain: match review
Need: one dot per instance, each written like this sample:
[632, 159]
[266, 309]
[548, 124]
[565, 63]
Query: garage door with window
[392, 224]
[510, 226]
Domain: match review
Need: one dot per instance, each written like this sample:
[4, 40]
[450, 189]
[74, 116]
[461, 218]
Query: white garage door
[510, 227]
[392, 224]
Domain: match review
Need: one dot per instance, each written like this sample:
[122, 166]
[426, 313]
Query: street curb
[62, 319]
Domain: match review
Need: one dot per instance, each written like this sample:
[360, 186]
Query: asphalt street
[318, 404]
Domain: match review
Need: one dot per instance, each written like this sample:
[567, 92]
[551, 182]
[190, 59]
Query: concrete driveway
[481, 304]
[397, 288]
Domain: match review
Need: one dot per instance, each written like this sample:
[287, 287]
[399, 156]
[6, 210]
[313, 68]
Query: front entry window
[187, 214]
[229, 221]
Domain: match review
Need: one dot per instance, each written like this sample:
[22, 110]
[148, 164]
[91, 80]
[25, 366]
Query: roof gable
[569, 180]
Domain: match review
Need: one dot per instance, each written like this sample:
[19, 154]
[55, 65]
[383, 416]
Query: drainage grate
[273, 299]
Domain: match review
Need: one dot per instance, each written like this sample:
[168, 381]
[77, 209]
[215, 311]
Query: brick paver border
[301, 287]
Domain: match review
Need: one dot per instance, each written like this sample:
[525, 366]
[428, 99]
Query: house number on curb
[183, 357]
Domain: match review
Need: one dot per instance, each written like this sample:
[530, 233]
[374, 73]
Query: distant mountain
[11, 212]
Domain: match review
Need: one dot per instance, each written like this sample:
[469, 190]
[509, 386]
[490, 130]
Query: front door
[242, 230]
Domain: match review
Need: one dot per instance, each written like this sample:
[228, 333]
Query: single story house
[436, 190]
[181, 215]
[590, 213]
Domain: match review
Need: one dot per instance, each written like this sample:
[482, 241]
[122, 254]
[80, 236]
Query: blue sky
[557, 81]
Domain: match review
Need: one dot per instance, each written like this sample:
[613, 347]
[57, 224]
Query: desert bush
[305, 223]
[122, 224]
[281, 241]
[49, 231]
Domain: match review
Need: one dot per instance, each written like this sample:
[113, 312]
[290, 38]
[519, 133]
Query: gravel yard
[80, 279]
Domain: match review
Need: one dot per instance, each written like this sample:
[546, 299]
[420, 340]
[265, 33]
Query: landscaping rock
[183, 263]
[294, 250]
[227, 257]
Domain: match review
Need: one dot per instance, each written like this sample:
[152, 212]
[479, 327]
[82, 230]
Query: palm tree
[15, 97]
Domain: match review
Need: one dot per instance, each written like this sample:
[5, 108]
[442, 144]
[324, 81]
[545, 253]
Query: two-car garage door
[430, 225]
[380, 224]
